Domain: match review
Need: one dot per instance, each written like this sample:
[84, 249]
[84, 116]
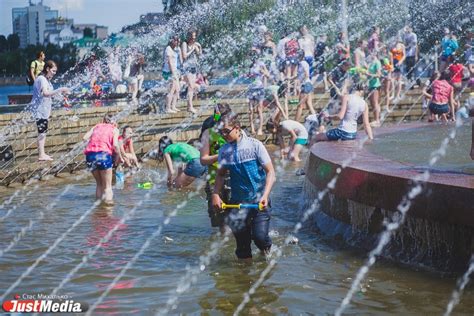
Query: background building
[30, 22]
[98, 31]
[39, 24]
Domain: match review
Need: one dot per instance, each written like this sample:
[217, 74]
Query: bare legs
[191, 82]
[259, 105]
[41, 154]
[306, 100]
[398, 86]
[171, 97]
[374, 102]
[103, 179]
[387, 91]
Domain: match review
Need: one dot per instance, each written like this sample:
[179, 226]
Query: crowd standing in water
[237, 168]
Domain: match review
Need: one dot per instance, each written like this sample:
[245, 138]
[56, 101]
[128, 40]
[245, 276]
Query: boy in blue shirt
[251, 180]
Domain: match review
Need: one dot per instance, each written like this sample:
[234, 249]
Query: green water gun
[145, 185]
[258, 206]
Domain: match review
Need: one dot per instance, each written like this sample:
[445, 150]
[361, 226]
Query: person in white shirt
[41, 103]
[353, 106]
[298, 138]
[191, 50]
[306, 87]
[307, 44]
[171, 74]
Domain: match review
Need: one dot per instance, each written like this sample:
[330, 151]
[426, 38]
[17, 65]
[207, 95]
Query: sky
[112, 13]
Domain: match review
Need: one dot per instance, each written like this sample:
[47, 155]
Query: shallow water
[414, 146]
[310, 278]
[5, 91]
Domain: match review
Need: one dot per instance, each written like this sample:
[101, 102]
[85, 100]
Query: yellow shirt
[37, 67]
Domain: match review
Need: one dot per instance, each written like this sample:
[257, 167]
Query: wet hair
[173, 38]
[108, 119]
[222, 108]
[231, 119]
[436, 75]
[164, 142]
[270, 126]
[38, 55]
[445, 75]
[48, 65]
[190, 33]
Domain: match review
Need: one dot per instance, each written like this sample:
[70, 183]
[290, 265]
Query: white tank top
[355, 107]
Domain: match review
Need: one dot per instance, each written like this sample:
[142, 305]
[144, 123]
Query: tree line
[15, 61]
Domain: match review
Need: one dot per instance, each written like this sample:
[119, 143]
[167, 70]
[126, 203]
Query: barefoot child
[298, 138]
[128, 154]
[182, 153]
[102, 140]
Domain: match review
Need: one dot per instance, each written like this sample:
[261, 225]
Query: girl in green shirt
[374, 73]
[181, 153]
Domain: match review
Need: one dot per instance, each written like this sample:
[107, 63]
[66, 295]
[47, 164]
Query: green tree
[88, 32]
[3, 44]
[13, 42]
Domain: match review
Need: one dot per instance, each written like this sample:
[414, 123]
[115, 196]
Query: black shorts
[217, 216]
[42, 125]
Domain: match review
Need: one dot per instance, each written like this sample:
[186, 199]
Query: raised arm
[206, 159]
[184, 49]
[342, 111]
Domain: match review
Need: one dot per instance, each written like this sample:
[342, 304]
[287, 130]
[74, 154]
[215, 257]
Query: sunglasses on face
[226, 131]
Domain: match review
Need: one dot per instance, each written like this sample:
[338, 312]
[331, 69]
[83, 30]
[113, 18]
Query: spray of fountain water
[412, 194]
[31, 222]
[76, 151]
[398, 218]
[461, 284]
[144, 247]
[50, 249]
[191, 274]
[91, 252]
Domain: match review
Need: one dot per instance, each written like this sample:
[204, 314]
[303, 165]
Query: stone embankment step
[67, 128]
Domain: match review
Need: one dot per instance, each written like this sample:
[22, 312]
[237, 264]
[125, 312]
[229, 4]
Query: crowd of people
[237, 168]
[297, 63]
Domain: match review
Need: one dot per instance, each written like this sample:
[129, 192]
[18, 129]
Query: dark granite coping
[381, 183]
[337, 152]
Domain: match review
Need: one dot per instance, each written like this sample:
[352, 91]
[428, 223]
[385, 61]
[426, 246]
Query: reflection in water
[404, 146]
[310, 277]
[234, 279]
[103, 220]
